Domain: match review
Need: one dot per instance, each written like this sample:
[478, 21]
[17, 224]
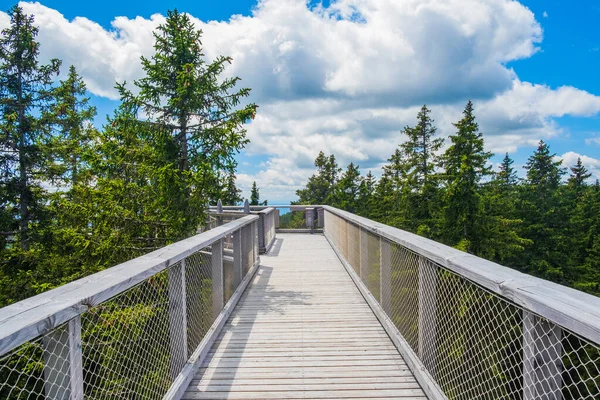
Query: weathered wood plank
[321, 394]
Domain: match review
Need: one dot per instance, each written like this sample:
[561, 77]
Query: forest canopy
[546, 224]
[74, 198]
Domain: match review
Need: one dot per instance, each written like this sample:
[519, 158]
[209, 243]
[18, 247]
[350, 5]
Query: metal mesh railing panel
[199, 297]
[473, 342]
[28, 373]
[353, 249]
[126, 342]
[372, 277]
[404, 295]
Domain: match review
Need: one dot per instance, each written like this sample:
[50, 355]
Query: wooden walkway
[302, 330]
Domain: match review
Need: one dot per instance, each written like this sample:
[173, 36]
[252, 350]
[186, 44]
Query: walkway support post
[310, 219]
[542, 358]
[218, 292]
[177, 318]
[385, 282]
[63, 365]
[364, 255]
[427, 313]
[237, 257]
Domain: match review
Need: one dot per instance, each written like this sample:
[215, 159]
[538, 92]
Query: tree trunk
[24, 195]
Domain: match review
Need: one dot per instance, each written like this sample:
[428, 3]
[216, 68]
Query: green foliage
[320, 188]
[544, 214]
[465, 165]
[254, 196]
[25, 94]
[346, 190]
[231, 195]
[186, 96]
[539, 225]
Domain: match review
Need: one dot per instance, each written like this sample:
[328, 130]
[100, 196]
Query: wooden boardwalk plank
[302, 330]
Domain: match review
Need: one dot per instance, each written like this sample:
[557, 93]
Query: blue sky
[345, 77]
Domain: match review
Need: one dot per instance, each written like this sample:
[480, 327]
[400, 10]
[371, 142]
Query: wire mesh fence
[133, 345]
[474, 343]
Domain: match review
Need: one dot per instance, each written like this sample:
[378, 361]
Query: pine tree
[72, 117]
[254, 195]
[366, 198]
[184, 94]
[579, 174]
[420, 161]
[502, 242]
[320, 186]
[347, 189]
[544, 216]
[231, 195]
[25, 93]
[465, 163]
[507, 176]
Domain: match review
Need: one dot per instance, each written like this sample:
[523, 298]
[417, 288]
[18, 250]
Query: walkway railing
[267, 220]
[134, 331]
[470, 328]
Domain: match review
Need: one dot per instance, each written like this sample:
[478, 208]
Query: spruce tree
[500, 223]
[507, 176]
[184, 94]
[420, 161]
[347, 189]
[71, 115]
[420, 150]
[320, 186]
[25, 94]
[544, 216]
[231, 195]
[465, 163]
[366, 195]
[254, 195]
[579, 174]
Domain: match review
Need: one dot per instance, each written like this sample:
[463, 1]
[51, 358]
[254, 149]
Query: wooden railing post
[542, 358]
[262, 232]
[63, 366]
[385, 270]
[219, 211]
[177, 318]
[320, 217]
[237, 257]
[310, 219]
[427, 313]
[364, 254]
[218, 289]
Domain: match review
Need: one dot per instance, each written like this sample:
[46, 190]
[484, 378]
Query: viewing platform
[316, 304]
